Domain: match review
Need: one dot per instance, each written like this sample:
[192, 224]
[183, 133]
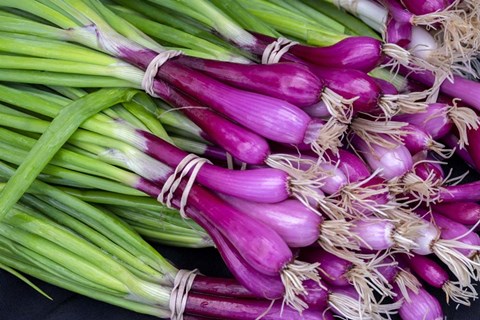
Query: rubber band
[275, 50]
[191, 163]
[178, 297]
[152, 69]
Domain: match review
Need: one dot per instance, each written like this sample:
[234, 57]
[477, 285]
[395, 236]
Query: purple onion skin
[385, 86]
[420, 7]
[352, 166]
[333, 269]
[462, 192]
[221, 286]
[473, 147]
[336, 181]
[394, 162]
[375, 233]
[450, 229]
[260, 185]
[451, 141]
[243, 309]
[240, 142]
[388, 271]
[416, 140]
[270, 117]
[292, 220]
[397, 12]
[399, 33]
[424, 169]
[258, 244]
[359, 53]
[467, 213]
[317, 297]
[291, 82]
[260, 285]
[349, 84]
[318, 110]
[421, 306]
[428, 270]
[433, 121]
[148, 187]
[467, 90]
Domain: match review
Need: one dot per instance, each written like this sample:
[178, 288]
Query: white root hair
[405, 282]
[356, 310]
[463, 267]
[374, 132]
[392, 104]
[464, 119]
[457, 34]
[459, 294]
[292, 277]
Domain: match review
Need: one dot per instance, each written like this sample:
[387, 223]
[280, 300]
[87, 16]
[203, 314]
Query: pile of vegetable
[308, 141]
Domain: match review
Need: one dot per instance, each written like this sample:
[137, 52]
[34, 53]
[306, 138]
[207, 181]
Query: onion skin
[428, 270]
[375, 233]
[467, 90]
[352, 166]
[257, 243]
[451, 141]
[421, 7]
[243, 309]
[421, 306]
[394, 162]
[434, 120]
[388, 270]
[399, 33]
[286, 218]
[416, 140]
[333, 269]
[424, 169]
[221, 286]
[385, 86]
[349, 84]
[317, 297]
[462, 192]
[241, 143]
[450, 229]
[397, 12]
[359, 53]
[291, 82]
[267, 185]
[259, 284]
[270, 117]
[467, 213]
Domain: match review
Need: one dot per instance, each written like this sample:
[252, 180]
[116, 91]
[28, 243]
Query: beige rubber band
[178, 297]
[191, 163]
[275, 50]
[152, 69]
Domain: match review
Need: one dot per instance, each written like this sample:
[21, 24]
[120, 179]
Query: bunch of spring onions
[313, 171]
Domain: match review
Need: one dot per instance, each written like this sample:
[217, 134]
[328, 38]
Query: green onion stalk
[60, 239]
[79, 163]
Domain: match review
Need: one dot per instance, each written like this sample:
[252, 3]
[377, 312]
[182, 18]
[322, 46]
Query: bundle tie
[190, 163]
[275, 50]
[152, 69]
[178, 297]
